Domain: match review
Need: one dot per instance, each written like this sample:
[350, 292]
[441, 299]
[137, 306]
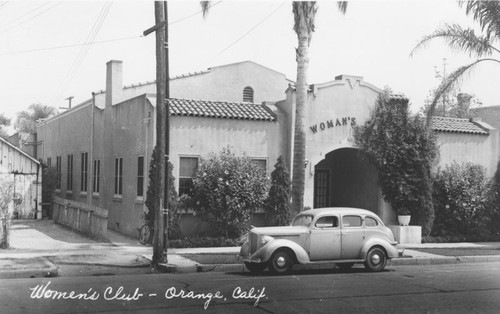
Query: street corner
[38, 267]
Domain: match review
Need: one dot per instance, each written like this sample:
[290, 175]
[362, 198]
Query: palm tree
[26, 120]
[487, 13]
[304, 13]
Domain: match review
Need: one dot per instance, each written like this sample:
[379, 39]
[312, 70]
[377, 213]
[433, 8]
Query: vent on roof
[248, 94]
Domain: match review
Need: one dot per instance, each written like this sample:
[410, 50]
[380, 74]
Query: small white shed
[25, 173]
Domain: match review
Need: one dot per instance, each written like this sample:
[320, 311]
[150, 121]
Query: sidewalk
[41, 248]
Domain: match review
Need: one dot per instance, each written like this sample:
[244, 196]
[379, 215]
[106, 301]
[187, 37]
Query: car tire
[256, 268]
[345, 266]
[281, 262]
[375, 259]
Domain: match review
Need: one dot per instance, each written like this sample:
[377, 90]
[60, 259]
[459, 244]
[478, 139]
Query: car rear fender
[268, 250]
[389, 248]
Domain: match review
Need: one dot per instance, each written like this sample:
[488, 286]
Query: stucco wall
[333, 109]
[463, 147]
[223, 83]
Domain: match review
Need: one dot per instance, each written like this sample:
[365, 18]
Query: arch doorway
[344, 179]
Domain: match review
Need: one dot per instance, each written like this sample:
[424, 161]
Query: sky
[51, 50]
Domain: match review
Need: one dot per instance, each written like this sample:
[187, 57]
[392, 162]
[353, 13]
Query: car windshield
[302, 220]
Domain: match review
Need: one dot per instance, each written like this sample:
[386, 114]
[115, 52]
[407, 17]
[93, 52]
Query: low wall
[78, 216]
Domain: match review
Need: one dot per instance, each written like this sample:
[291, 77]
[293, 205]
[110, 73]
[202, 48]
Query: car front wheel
[255, 267]
[375, 259]
[281, 262]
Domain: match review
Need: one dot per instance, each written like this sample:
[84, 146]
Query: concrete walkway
[37, 247]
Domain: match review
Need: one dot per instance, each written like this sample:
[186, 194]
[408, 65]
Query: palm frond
[459, 39]
[342, 6]
[205, 6]
[453, 80]
[487, 13]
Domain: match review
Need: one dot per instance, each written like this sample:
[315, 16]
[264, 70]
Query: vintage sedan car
[340, 235]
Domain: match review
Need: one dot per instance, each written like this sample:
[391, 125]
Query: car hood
[280, 230]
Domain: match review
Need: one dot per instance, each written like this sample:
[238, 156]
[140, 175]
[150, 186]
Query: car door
[353, 236]
[325, 241]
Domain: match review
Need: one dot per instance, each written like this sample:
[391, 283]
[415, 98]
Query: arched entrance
[344, 179]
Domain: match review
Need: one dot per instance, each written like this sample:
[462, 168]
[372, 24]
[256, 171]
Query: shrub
[278, 201]
[227, 190]
[494, 203]
[154, 194]
[402, 150]
[460, 200]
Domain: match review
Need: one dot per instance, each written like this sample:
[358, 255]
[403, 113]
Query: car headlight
[265, 239]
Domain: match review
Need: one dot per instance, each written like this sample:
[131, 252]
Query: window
[261, 164]
[140, 176]
[351, 221]
[69, 183]
[49, 162]
[58, 170]
[327, 222]
[96, 176]
[118, 176]
[370, 222]
[84, 172]
[248, 94]
[187, 170]
[321, 188]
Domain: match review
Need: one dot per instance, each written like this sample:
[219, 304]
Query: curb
[48, 269]
[170, 268]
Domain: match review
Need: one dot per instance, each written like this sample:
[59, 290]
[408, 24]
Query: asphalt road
[458, 288]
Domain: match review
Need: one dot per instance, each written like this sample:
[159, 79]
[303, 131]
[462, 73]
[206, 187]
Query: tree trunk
[4, 232]
[299, 151]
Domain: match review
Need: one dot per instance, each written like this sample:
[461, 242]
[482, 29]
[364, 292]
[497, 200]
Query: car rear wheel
[375, 259]
[281, 262]
[345, 265]
[255, 267]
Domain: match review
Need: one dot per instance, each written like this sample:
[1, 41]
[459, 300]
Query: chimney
[463, 104]
[114, 82]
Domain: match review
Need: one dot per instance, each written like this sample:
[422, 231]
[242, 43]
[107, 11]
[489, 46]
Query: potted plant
[404, 216]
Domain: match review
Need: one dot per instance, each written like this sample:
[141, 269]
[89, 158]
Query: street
[458, 288]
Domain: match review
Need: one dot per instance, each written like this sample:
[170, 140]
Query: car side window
[370, 222]
[327, 222]
[351, 221]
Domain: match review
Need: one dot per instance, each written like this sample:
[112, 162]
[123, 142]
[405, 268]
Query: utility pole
[162, 135]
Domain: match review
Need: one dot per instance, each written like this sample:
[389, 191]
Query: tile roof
[457, 125]
[220, 109]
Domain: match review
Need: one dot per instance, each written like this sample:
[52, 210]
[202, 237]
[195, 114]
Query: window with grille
[248, 94]
[96, 176]
[187, 170]
[58, 170]
[321, 188]
[84, 170]
[261, 164]
[49, 162]
[119, 176]
[69, 183]
[140, 176]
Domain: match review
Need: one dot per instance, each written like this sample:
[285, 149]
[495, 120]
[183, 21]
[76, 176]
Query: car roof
[338, 210]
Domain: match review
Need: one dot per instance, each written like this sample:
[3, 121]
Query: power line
[243, 36]
[67, 46]
[97, 42]
[30, 18]
[83, 52]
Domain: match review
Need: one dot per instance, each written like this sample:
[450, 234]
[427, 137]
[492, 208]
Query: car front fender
[265, 252]
[390, 248]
